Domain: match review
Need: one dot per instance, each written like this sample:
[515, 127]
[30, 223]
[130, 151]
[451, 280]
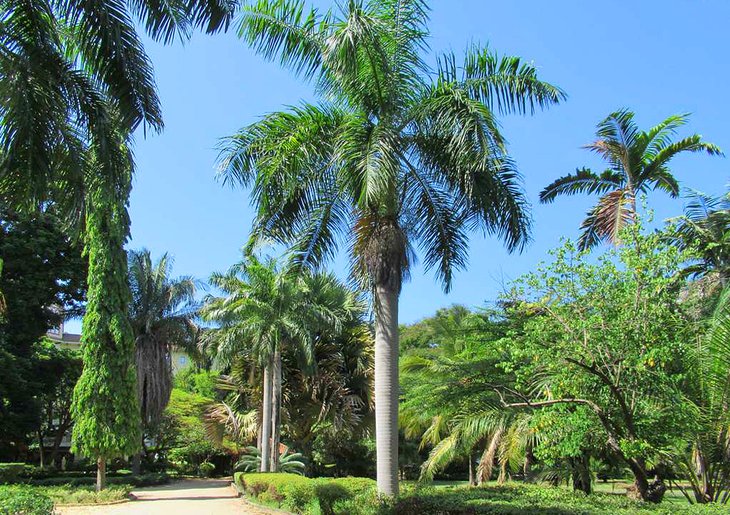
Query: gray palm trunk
[276, 413]
[266, 419]
[386, 389]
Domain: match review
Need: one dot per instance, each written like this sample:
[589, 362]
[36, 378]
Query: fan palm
[264, 311]
[395, 155]
[638, 162]
[705, 229]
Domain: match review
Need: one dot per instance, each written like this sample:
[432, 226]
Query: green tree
[395, 155]
[162, 313]
[638, 162]
[612, 338]
[43, 272]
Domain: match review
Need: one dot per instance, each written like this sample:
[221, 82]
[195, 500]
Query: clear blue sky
[655, 57]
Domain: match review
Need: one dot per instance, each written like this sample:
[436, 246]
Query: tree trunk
[266, 421]
[60, 433]
[582, 474]
[276, 412]
[472, 475]
[642, 489]
[100, 474]
[137, 463]
[529, 476]
[386, 389]
[41, 451]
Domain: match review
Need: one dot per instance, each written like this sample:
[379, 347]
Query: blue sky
[655, 57]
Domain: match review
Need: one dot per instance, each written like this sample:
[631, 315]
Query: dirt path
[189, 497]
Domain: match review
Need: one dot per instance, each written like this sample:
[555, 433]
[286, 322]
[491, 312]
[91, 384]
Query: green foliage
[11, 472]
[290, 463]
[42, 270]
[68, 480]
[202, 382]
[299, 494]
[182, 435]
[106, 414]
[206, 469]
[20, 500]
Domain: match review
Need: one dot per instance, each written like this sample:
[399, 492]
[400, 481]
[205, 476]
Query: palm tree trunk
[386, 389]
[100, 474]
[266, 420]
[276, 412]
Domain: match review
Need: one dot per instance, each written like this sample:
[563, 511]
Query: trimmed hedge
[357, 496]
[11, 472]
[153, 479]
[301, 494]
[16, 500]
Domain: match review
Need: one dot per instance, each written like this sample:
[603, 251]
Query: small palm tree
[705, 229]
[638, 162]
[263, 312]
[394, 156]
[288, 462]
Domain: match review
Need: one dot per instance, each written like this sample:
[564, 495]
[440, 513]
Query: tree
[705, 229]
[265, 312]
[704, 460]
[43, 274]
[75, 83]
[162, 315]
[638, 162]
[394, 156]
[611, 338]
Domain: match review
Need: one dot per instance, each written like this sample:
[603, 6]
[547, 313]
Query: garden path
[189, 497]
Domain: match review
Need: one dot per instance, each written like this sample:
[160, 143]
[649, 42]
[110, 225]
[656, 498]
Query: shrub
[206, 469]
[11, 472]
[19, 500]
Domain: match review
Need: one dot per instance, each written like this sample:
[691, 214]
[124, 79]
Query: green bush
[19, 500]
[11, 472]
[152, 479]
[206, 469]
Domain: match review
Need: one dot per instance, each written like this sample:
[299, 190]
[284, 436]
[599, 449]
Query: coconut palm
[705, 229]
[265, 311]
[394, 156]
[638, 162]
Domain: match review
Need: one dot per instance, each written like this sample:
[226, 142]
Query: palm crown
[638, 162]
[394, 152]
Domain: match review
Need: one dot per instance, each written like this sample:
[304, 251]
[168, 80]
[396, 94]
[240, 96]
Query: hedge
[16, 500]
[301, 494]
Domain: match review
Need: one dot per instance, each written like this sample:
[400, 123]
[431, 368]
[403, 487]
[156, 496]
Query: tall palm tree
[705, 228]
[162, 313]
[638, 162]
[263, 312]
[394, 155]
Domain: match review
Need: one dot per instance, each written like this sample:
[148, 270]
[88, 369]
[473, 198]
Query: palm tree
[638, 162]
[162, 313]
[705, 229]
[265, 311]
[395, 155]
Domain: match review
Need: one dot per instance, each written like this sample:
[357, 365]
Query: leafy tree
[395, 155]
[610, 337]
[637, 161]
[59, 370]
[162, 314]
[42, 272]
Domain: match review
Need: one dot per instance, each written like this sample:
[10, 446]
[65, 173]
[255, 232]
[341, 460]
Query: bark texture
[266, 421]
[386, 389]
[276, 413]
